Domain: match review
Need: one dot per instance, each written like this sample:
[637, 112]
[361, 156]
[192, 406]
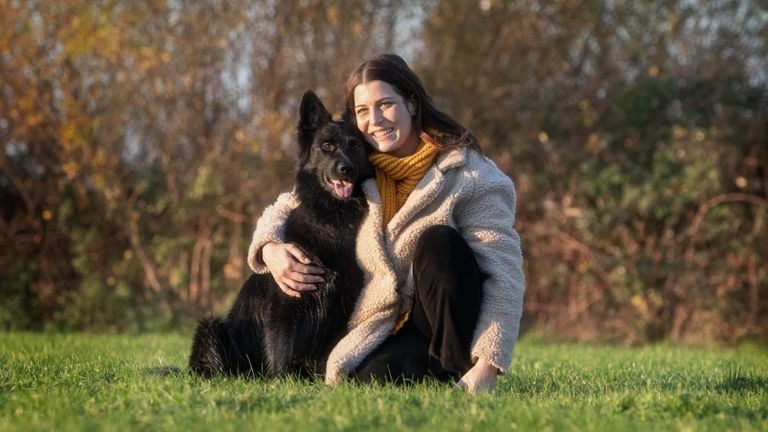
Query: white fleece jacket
[463, 189]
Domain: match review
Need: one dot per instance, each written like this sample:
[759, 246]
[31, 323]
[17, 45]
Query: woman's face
[385, 118]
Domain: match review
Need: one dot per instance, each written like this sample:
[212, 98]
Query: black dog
[267, 332]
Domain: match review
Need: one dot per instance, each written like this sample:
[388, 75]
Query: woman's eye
[329, 147]
[361, 112]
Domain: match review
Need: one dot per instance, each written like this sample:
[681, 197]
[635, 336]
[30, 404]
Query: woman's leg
[401, 357]
[436, 339]
[449, 291]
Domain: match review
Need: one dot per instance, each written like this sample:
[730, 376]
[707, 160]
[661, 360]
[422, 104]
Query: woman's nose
[376, 116]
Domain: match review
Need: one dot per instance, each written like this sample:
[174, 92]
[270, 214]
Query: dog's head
[334, 151]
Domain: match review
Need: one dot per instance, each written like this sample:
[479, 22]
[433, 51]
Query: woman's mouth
[383, 134]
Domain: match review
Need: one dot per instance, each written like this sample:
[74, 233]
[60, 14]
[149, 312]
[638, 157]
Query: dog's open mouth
[342, 188]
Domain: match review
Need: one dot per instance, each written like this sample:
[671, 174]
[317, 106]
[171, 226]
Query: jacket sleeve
[486, 219]
[357, 344]
[270, 228]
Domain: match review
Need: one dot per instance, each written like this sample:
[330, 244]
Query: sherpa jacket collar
[429, 186]
[452, 159]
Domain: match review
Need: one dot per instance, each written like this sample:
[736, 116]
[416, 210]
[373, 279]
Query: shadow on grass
[162, 371]
[735, 383]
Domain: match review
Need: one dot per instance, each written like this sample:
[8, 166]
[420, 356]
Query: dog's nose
[346, 169]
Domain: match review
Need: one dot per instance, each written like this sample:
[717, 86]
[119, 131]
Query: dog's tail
[210, 348]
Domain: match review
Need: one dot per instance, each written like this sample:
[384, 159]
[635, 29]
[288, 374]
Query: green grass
[106, 382]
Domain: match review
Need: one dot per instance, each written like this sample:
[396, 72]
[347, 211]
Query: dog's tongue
[342, 188]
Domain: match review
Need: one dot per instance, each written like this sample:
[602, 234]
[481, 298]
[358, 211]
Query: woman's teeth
[383, 133]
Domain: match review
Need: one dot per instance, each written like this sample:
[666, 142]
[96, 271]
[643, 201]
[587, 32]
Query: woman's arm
[268, 252]
[486, 219]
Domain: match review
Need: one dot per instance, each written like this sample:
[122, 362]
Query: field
[115, 382]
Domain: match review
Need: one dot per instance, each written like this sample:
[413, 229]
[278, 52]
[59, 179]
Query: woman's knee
[442, 245]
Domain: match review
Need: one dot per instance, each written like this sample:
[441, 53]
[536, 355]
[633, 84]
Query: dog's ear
[312, 116]
[349, 117]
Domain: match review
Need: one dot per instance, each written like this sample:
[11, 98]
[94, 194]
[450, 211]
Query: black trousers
[436, 339]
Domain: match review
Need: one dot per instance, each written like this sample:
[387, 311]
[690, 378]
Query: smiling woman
[443, 280]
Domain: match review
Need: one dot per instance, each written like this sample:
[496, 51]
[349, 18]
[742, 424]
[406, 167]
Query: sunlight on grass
[95, 382]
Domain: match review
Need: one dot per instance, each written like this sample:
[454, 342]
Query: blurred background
[142, 140]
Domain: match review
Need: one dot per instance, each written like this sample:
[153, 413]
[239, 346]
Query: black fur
[267, 332]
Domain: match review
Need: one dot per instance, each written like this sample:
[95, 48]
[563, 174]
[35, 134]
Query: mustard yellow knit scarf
[397, 177]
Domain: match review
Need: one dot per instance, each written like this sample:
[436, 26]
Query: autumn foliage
[141, 140]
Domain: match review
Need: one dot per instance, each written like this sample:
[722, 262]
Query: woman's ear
[411, 106]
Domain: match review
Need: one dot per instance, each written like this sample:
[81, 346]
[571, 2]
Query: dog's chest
[320, 235]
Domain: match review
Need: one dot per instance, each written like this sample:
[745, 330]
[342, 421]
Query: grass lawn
[107, 382]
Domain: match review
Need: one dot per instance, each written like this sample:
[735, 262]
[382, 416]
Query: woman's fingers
[304, 273]
[286, 290]
[302, 263]
[297, 253]
[299, 281]
[481, 378]
[292, 284]
[291, 268]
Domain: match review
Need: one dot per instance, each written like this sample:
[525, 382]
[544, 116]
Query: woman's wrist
[486, 366]
[260, 252]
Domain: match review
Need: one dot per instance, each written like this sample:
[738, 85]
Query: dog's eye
[329, 147]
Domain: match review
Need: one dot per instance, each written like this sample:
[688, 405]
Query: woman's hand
[291, 267]
[480, 379]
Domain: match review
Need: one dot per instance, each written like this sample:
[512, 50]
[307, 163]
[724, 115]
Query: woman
[442, 263]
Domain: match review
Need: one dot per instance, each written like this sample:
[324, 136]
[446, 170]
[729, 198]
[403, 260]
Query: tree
[634, 131]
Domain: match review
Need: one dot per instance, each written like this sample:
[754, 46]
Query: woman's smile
[383, 133]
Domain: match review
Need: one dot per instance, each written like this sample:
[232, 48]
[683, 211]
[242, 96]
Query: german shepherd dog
[268, 333]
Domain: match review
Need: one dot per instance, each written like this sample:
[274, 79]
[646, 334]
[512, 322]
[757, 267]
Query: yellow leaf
[70, 169]
[333, 15]
[639, 303]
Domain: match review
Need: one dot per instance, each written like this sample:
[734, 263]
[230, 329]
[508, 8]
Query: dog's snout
[345, 168]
